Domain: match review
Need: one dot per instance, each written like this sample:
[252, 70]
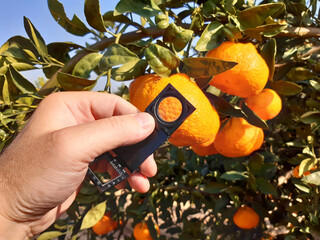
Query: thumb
[89, 140]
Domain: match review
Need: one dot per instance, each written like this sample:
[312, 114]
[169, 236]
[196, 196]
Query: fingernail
[145, 119]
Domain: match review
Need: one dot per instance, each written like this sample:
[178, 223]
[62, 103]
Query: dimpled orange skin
[266, 104]
[246, 218]
[141, 231]
[205, 149]
[238, 138]
[170, 109]
[201, 126]
[248, 77]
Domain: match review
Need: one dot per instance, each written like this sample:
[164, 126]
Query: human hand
[41, 171]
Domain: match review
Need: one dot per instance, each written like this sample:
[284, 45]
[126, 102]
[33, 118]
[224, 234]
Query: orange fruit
[246, 218]
[238, 138]
[106, 224]
[266, 104]
[201, 126]
[295, 172]
[248, 77]
[141, 231]
[204, 149]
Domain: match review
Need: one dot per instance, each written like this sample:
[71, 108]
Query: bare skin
[43, 168]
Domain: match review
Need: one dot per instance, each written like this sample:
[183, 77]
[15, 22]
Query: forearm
[12, 230]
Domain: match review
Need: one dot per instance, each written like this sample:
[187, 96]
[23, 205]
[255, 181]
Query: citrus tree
[244, 166]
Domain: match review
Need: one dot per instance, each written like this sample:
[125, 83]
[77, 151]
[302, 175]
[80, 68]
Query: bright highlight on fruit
[141, 231]
[266, 104]
[201, 126]
[246, 218]
[238, 138]
[248, 77]
[105, 225]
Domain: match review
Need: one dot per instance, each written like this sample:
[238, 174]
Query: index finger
[73, 108]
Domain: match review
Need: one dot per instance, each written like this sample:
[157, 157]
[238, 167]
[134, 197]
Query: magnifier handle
[131, 157]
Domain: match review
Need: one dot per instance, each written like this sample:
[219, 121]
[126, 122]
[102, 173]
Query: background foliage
[191, 197]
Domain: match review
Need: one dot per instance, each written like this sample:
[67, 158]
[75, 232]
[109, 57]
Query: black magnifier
[127, 159]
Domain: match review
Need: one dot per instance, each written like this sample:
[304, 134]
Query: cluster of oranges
[245, 218]
[201, 130]
[106, 224]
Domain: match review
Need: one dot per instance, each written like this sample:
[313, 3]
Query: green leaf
[60, 50]
[93, 15]
[177, 35]
[212, 37]
[74, 26]
[25, 44]
[224, 107]
[109, 17]
[310, 117]
[255, 163]
[35, 37]
[313, 178]
[85, 65]
[268, 30]
[255, 16]
[203, 67]
[266, 187]
[315, 85]
[153, 232]
[214, 187]
[268, 53]
[161, 60]
[302, 186]
[253, 118]
[130, 70]
[234, 175]
[306, 165]
[300, 74]
[94, 215]
[20, 82]
[50, 235]
[115, 55]
[286, 88]
[5, 90]
[72, 83]
[20, 66]
[15, 51]
[162, 21]
[145, 8]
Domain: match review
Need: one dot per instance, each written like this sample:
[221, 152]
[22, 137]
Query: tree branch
[303, 32]
[153, 32]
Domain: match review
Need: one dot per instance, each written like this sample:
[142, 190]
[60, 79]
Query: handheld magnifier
[126, 160]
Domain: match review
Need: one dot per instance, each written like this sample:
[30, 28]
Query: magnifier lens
[170, 109]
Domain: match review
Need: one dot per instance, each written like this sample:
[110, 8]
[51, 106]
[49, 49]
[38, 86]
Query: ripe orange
[105, 225]
[204, 149]
[246, 218]
[238, 138]
[266, 104]
[201, 126]
[141, 231]
[248, 77]
[295, 172]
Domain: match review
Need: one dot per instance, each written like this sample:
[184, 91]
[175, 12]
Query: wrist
[13, 230]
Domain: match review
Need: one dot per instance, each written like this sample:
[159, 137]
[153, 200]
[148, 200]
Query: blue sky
[12, 12]
[11, 19]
